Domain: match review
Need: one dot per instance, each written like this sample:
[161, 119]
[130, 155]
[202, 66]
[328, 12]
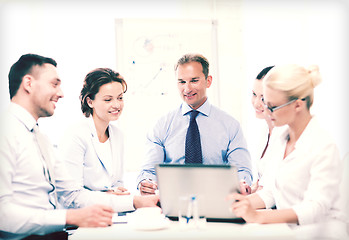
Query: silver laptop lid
[209, 183]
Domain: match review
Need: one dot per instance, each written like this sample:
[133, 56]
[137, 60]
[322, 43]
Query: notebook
[209, 183]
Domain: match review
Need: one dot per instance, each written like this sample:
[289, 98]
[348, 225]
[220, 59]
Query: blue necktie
[193, 152]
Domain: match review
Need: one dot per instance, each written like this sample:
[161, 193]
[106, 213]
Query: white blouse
[106, 155]
[308, 179]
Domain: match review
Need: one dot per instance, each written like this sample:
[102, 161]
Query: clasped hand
[148, 187]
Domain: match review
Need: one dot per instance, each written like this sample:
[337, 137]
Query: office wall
[306, 32]
[80, 35]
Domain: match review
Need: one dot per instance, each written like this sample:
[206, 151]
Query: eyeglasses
[273, 109]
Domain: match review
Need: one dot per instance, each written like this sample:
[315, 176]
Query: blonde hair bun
[314, 74]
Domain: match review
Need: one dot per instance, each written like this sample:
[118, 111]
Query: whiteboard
[147, 50]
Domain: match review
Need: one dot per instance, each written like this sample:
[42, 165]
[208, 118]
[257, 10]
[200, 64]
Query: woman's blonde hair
[296, 81]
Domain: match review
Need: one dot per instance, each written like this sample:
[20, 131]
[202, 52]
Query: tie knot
[193, 114]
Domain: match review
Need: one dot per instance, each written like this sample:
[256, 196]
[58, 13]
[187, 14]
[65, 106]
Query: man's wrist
[139, 183]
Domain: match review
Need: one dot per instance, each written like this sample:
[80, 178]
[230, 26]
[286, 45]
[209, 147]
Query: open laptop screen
[209, 183]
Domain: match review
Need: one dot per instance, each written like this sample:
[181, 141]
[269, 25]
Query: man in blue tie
[197, 131]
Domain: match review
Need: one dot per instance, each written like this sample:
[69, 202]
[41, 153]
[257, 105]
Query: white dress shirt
[308, 179]
[24, 190]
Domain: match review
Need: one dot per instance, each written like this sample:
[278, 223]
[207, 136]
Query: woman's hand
[245, 189]
[242, 207]
[119, 191]
[256, 187]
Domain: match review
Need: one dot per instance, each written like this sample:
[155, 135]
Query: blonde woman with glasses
[306, 165]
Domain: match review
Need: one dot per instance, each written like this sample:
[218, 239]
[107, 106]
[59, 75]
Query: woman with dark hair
[93, 148]
[261, 148]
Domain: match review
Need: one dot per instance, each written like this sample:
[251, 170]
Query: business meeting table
[122, 229]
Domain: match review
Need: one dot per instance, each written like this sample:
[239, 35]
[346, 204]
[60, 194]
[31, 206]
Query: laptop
[211, 184]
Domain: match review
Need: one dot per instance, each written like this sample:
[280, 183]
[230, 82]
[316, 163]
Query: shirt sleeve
[17, 218]
[239, 156]
[28, 221]
[155, 154]
[267, 197]
[83, 198]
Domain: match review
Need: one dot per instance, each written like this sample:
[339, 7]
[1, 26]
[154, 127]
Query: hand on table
[146, 201]
[92, 216]
[119, 191]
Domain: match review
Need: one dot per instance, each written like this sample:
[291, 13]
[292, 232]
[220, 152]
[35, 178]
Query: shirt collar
[92, 126]
[22, 115]
[303, 137]
[205, 108]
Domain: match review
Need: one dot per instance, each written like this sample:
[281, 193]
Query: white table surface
[176, 231]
